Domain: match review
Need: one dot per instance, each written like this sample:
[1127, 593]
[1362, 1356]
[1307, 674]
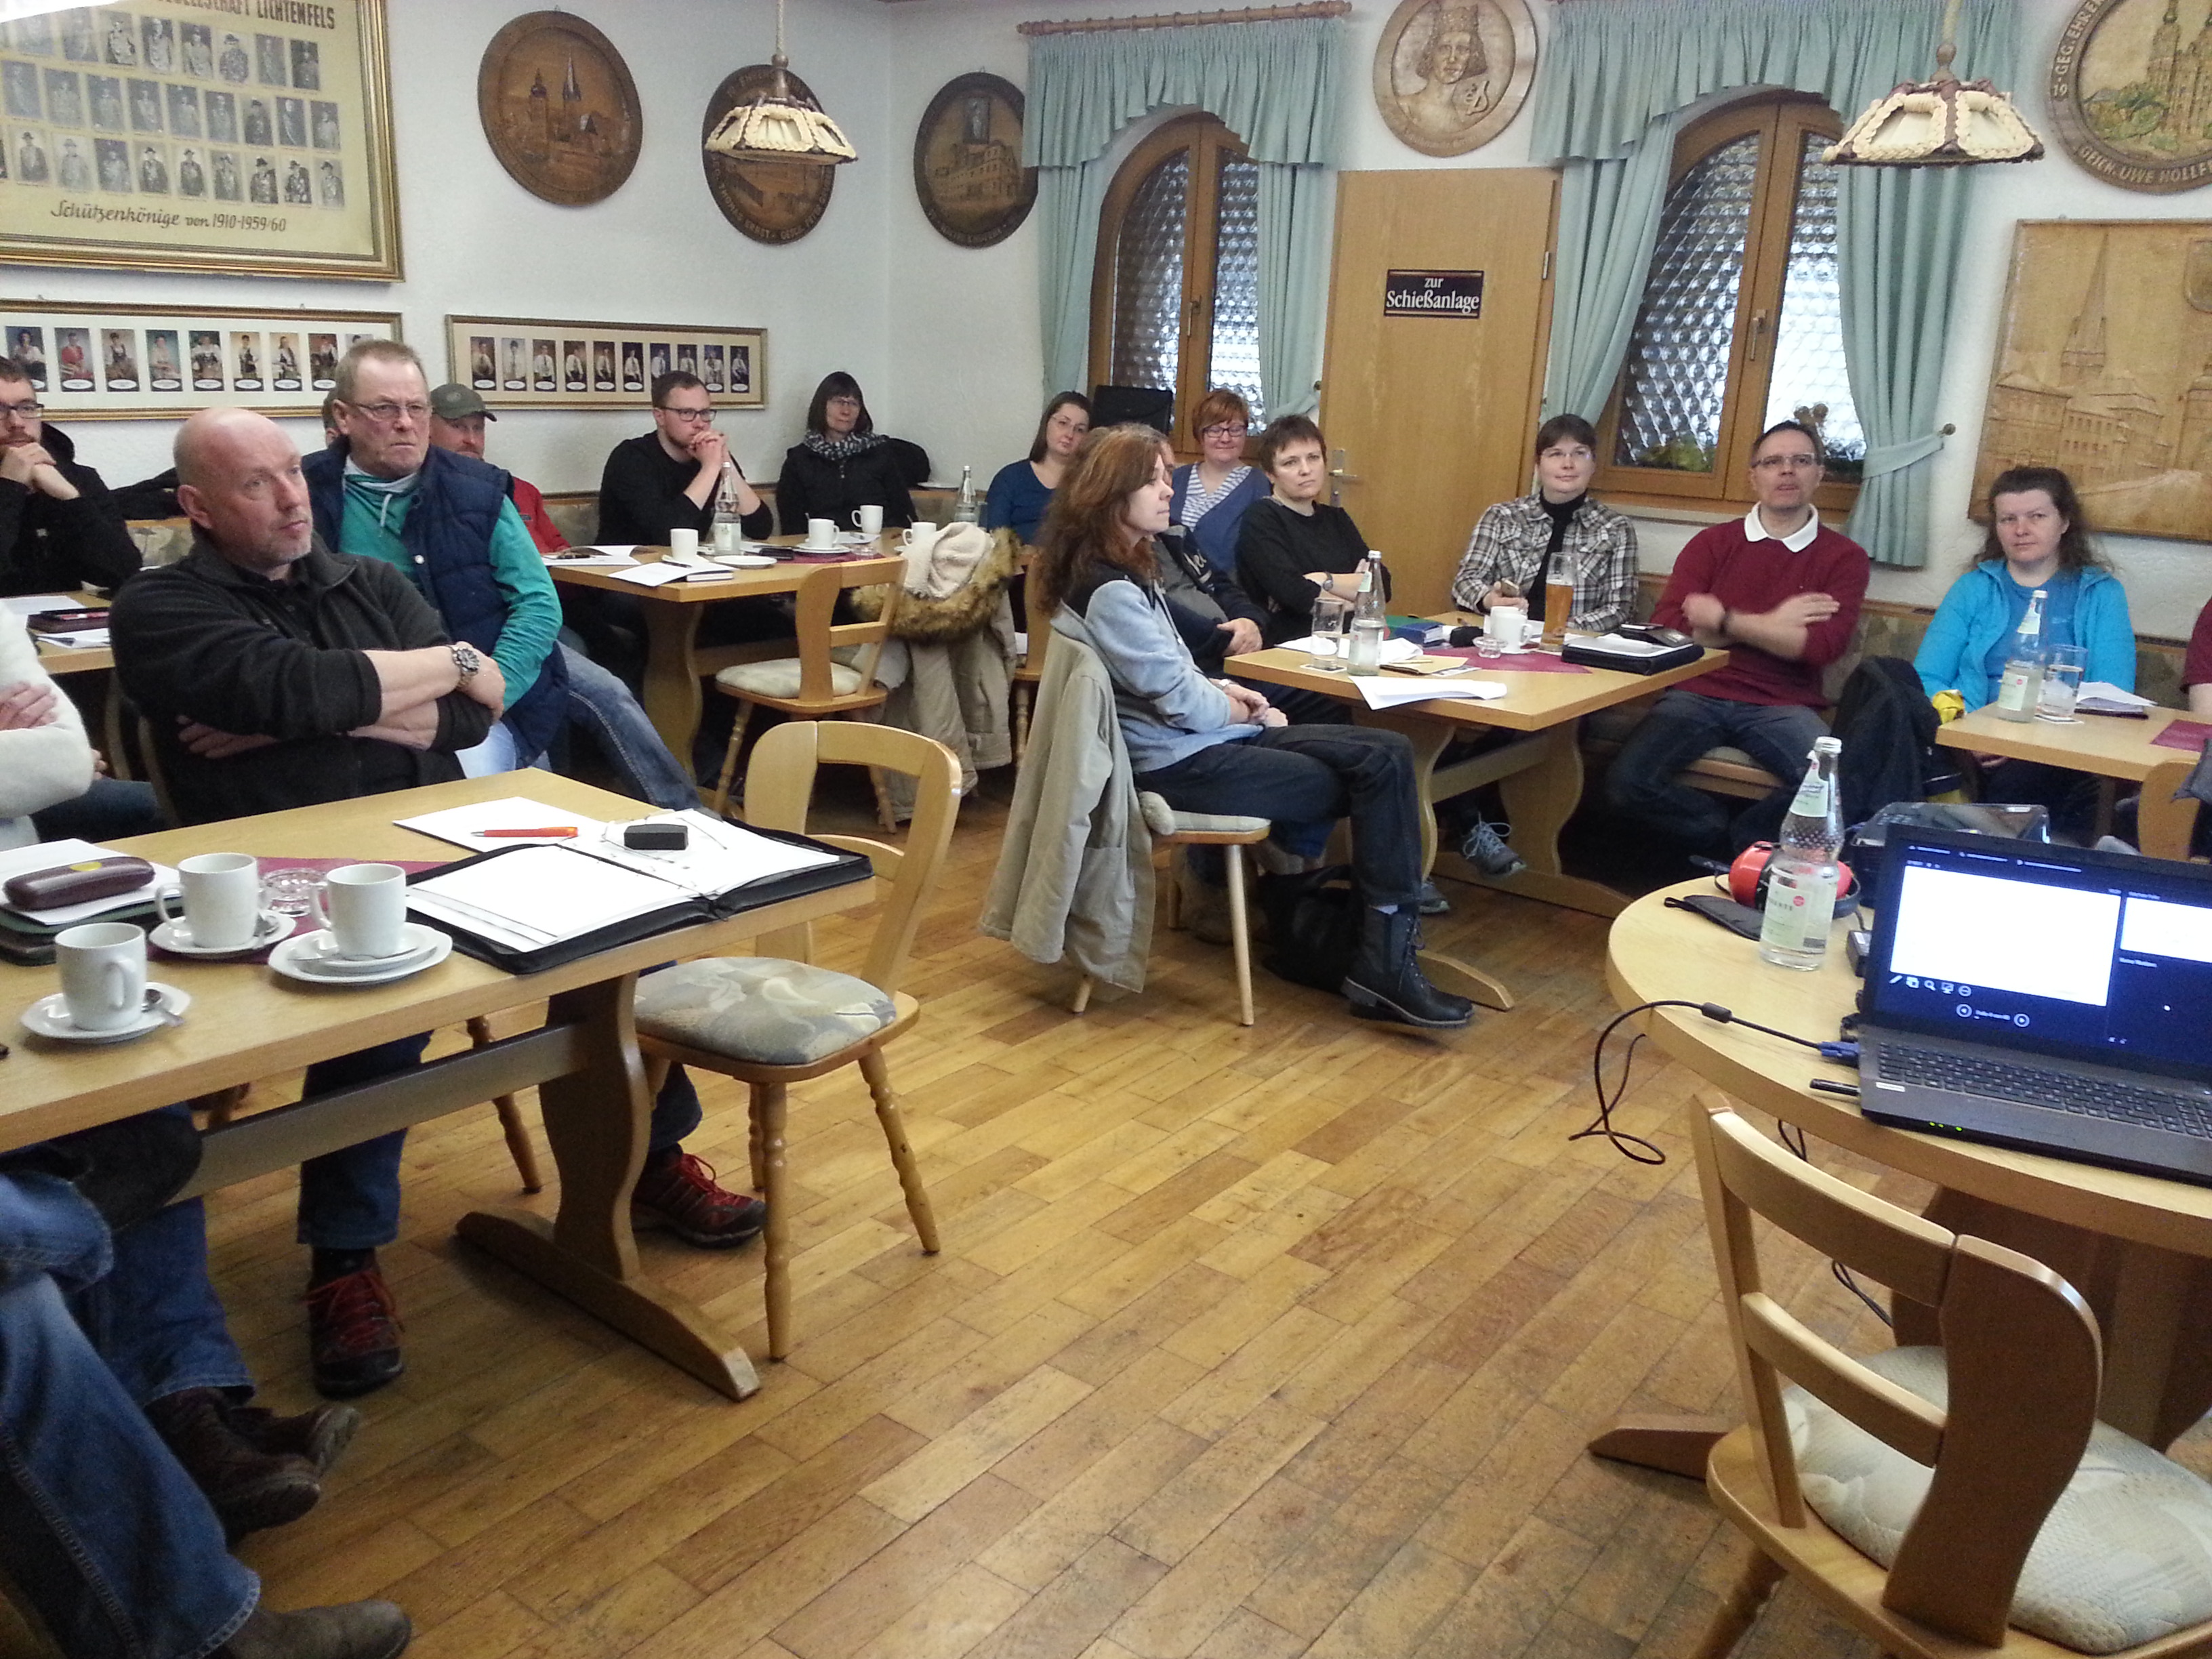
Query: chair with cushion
[815, 685]
[776, 1019]
[1232, 834]
[1947, 1500]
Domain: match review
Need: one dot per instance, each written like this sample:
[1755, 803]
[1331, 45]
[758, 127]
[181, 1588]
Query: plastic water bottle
[729, 522]
[1803, 874]
[968, 509]
[2021, 689]
[1370, 622]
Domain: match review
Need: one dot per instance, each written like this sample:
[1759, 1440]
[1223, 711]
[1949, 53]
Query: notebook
[2042, 996]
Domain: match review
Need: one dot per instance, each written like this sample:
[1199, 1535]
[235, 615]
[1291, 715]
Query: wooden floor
[1244, 1344]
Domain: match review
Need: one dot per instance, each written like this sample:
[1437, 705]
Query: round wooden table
[2139, 1249]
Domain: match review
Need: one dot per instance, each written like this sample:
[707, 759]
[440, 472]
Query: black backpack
[1313, 925]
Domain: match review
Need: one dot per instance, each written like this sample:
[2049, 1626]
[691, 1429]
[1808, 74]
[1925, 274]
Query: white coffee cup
[822, 532]
[919, 531]
[364, 906]
[103, 968]
[869, 519]
[1507, 623]
[683, 544]
[222, 899]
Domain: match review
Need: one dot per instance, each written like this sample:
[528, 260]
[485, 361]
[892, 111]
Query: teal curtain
[1274, 84]
[1613, 68]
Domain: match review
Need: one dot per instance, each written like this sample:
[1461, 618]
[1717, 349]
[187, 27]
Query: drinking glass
[291, 891]
[2063, 668]
[1332, 626]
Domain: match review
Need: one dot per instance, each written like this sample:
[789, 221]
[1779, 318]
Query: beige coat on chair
[1074, 881]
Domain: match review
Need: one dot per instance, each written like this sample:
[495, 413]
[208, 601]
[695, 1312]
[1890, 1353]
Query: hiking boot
[683, 1197]
[1387, 983]
[357, 1630]
[353, 1334]
[320, 1435]
[1431, 901]
[1484, 847]
[249, 1489]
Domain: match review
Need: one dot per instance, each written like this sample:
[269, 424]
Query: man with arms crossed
[1780, 592]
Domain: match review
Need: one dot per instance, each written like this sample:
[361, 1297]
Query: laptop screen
[2087, 955]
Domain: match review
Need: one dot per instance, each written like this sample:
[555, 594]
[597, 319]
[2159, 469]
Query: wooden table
[675, 662]
[2139, 1249]
[246, 1023]
[2115, 751]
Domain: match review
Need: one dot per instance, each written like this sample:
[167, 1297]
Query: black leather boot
[1387, 983]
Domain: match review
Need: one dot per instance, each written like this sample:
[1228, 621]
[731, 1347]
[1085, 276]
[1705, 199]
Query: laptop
[2042, 996]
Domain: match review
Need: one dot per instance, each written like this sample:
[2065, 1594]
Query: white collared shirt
[1755, 530]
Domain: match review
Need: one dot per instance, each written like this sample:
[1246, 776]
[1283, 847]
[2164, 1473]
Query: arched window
[1174, 303]
[1740, 325]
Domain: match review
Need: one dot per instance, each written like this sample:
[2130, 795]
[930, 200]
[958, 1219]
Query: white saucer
[308, 958]
[49, 1018]
[175, 937]
[811, 547]
[746, 561]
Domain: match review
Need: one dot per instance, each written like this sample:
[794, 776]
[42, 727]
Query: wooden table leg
[671, 673]
[588, 1253]
[1541, 795]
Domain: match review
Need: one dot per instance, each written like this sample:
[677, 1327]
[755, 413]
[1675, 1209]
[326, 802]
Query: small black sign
[1432, 294]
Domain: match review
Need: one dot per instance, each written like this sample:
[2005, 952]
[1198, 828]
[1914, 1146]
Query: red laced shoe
[353, 1334]
[684, 1197]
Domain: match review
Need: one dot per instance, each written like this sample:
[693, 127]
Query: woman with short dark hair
[1558, 526]
[843, 463]
[1021, 491]
[1209, 745]
[1294, 546]
[1212, 494]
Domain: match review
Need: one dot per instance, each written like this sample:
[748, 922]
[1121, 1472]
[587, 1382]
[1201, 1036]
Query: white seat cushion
[762, 1009]
[779, 678]
[1733, 757]
[2125, 1558]
[1162, 819]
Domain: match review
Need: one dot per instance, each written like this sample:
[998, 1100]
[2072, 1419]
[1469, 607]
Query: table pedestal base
[1450, 974]
[1672, 1445]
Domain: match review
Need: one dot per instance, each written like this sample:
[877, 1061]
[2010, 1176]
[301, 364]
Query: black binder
[1592, 654]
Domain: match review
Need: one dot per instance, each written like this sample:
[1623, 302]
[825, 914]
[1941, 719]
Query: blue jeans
[110, 810]
[602, 705]
[1682, 725]
[349, 1199]
[99, 1527]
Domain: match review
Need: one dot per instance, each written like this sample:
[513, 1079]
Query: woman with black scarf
[844, 463]
[1558, 529]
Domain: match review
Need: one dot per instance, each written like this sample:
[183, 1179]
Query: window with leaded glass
[1176, 300]
[1739, 326]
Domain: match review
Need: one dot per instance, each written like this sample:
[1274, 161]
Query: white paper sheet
[47, 855]
[458, 824]
[1399, 689]
[2102, 694]
[651, 575]
[38, 604]
[1393, 650]
[86, 639]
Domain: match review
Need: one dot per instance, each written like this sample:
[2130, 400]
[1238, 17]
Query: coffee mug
[919, 531]
[364, 906]
[822, 532]
[683, 544]
[103, 968]
[1507, 623]
[222, 899]
[868, 520]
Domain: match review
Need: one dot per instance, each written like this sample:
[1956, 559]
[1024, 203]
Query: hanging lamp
[1942, 123]
[777, 126]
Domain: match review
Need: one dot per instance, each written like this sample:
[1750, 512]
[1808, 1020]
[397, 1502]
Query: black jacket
[814, 487]
[641, 498]
[205, 640]
[1199, 599]
[48, 546]
[1887, 727]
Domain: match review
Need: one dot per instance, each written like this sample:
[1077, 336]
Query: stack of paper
[588, 558]
[1395, 692]
[2102, 697]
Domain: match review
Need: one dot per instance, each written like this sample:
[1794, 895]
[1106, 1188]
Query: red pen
[566, 831]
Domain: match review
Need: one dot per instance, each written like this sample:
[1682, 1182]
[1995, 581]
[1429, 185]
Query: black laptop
[2045, 998]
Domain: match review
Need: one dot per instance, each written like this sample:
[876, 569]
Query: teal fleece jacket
[1974, 615]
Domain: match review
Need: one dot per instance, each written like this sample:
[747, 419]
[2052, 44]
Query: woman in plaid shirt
[1518, 541]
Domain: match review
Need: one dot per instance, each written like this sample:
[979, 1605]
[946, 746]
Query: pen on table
[1825, 1086]
[566, 831]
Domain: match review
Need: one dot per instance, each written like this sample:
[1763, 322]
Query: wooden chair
[2021, 1356]
[2165, 826]
[813, 685]
[1025, 676]
[685, 1014]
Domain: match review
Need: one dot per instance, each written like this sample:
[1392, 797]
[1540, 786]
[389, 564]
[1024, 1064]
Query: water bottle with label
[968, 509]
[729, 521]
[1371, 621]
[2021, 688]
[1803, 874]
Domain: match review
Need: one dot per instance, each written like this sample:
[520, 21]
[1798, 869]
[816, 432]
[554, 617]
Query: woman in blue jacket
[2037, 538]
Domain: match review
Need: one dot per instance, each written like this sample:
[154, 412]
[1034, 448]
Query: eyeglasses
[842, 403]
[1225, 431]
[1795, 463]
[693, 417]
[25, 412]
[389, 413]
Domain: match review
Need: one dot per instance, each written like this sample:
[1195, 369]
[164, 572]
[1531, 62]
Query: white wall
[657, 250]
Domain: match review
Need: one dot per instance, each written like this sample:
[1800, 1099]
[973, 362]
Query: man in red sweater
[1780, 592]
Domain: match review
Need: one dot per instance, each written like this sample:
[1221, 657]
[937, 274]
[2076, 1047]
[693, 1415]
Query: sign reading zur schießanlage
[1432, 294]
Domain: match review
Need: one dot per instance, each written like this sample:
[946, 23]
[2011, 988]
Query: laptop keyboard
[2084, 1097]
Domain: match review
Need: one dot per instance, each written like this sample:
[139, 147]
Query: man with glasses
[665, 479]
[59, 528]
[1780, 592]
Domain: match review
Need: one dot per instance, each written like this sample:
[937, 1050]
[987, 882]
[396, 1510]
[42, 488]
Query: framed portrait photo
[536, 363]
[244, 139]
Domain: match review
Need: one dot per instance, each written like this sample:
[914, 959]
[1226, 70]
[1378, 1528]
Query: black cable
[1843, 1273]
[1625, 1143]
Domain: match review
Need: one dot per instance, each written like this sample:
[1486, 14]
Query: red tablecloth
[2184, 734]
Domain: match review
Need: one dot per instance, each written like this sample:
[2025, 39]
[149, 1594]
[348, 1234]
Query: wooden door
[1429, 417]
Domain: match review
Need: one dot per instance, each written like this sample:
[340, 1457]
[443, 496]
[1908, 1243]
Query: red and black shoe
[353, 1334]
[682, 1197]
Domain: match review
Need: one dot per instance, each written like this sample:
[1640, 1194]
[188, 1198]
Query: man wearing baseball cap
[457, 423]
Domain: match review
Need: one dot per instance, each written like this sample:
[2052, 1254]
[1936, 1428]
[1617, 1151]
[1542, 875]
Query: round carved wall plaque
[559, 108]
[770, 201]
[1451, 74]
[2132, 95]
[968, 161]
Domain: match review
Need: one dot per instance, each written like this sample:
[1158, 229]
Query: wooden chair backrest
[1040, 641]
[780, 785]
[818, 635]
[2020, 1345]
[2162, 822]
[151, 758]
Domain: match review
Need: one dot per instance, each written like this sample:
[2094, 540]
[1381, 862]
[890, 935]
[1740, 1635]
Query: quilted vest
[447, 535]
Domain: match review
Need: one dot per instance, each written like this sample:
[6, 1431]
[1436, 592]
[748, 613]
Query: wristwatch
[466, 662]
